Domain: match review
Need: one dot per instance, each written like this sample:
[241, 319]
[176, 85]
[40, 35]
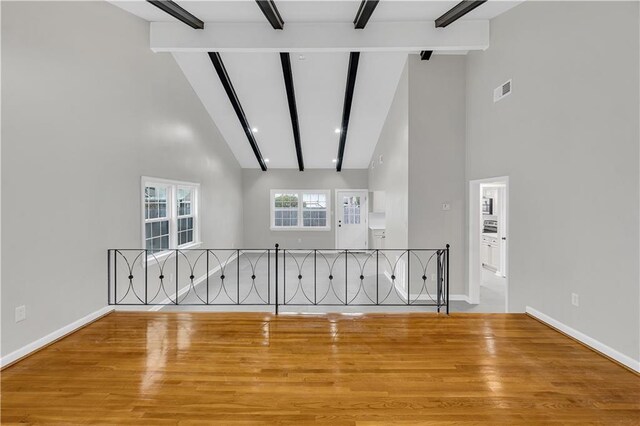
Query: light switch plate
[575, 299]
[21, 313]
[446, 206]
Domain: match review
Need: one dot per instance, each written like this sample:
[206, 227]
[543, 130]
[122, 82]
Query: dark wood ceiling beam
[268, 7]
[354, 58]
[457, 12]
[425, 55]
[216, 60]
[285, 59]
[364, 13]
[178, 12]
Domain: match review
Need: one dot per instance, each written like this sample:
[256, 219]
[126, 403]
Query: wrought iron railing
[279, 277]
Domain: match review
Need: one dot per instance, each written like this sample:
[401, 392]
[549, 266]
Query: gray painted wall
[437, 159]
[567, 137]
[423, 148]
[87, 109]
[392, 174]
[257, 186]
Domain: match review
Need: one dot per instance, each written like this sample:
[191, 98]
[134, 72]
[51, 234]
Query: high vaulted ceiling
[319, 38]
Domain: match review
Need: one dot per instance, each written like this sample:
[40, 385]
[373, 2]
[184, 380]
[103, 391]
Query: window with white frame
[300, 210]
[185, 215]
[156, 217]
[169, 214]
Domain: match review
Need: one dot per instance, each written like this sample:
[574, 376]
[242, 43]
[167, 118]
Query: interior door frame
[336, 214]
[475, 208]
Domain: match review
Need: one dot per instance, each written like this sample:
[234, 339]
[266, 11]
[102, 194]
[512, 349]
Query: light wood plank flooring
[239, 368]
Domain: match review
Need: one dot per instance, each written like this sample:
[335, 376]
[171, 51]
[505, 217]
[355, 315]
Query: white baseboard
[589, 341]
[52, 337]
[460, 298]
[403, 293]
[452, 297]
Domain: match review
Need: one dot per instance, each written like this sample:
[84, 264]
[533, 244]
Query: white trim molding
[53, 336]
[474, 232]
[594, 344]
[337, 214]
[460, 298]
[399, 285]
[246, 37]
[173, 215]
[300, 210]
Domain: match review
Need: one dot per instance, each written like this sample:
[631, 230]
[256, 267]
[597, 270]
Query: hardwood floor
[202, 368]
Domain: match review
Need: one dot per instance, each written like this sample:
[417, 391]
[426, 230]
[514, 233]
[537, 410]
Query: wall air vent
[502, 91]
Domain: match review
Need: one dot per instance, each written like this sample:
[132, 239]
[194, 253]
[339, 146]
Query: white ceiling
[319, 80]
[315, 10]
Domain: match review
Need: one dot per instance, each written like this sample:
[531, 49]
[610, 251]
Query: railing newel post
[207, 258]
[238, 275]
[439, 277]
[109, 276]
[115, 277]
[277, 285]
[447, 278]
[146, 274]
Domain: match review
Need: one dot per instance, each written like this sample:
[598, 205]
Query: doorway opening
[351, 219]
[489, 244]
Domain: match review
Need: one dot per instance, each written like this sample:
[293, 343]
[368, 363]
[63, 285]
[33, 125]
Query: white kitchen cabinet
[379, 201]
[484, 253]
[490, 253]
[494, 256]
[378, 238]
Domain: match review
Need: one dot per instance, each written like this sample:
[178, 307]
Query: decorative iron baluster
[377, 277]
[177, 277]
[408, 277]
[346, 279]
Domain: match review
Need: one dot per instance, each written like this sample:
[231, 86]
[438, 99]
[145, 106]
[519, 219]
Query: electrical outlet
[446, 206]
[21, 313]
[575, 299]
[299, 240]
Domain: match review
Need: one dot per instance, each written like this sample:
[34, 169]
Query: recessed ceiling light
[301, 57]
[338, 130]
[266, 160]
[335, 160]
[254, 130]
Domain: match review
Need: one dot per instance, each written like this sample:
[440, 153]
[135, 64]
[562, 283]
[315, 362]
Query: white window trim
[300, 226]
[172, 209]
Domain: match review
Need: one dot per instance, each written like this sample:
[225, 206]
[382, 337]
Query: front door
[351, 220]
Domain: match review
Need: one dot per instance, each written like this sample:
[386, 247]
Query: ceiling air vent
[502, 91]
